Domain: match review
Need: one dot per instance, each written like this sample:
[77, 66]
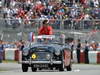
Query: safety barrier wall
[1, 56]
[11, 55]
[93, 56]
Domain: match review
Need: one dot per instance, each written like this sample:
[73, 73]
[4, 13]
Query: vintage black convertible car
[46, 54]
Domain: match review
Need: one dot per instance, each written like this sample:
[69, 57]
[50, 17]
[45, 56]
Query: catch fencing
[16, 29]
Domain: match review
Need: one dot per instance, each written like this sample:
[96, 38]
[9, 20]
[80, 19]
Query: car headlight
[34, 56]
[48, 56]
[57, 53]
[25, 53]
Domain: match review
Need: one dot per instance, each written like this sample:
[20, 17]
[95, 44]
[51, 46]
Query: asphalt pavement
[77, 69]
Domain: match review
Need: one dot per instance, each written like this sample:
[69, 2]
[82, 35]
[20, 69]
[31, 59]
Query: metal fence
[55, 23]
[16, 29]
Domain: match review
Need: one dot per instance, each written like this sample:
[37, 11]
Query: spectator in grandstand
[95, 3]
[0, 4]
[87, 20]
[95, 13]
[45, 29]
[73, 13]
[12, 3]
[16, 21]
[7, 3]
[8, 12]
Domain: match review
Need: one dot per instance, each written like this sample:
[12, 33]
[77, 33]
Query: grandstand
[20, 17]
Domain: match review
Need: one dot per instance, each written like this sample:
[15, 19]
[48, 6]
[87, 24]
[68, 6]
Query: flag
[31, 37]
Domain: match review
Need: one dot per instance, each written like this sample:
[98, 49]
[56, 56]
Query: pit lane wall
[94, 56]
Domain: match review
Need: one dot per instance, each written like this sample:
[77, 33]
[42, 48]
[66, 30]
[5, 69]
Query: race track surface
[77, 69]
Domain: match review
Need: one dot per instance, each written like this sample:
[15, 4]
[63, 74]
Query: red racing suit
[45, 30]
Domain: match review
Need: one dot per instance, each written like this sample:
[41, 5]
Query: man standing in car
[45, 29]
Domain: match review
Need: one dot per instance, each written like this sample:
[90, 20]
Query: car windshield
[26, 49]
[49, 39]
[38, 48]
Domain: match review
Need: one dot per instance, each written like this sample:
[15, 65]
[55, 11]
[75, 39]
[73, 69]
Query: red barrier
[82, 57]
[98, 57]
[4, 55]
[1, 56]
[17, 55]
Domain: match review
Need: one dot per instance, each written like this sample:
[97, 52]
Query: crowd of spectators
[16, 11]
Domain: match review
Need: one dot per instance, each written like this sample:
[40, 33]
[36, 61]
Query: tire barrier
[98, 57]
[1, 56]
[17, 54]
[74, 57]
[11, 54]
[82, 57]
[93, 56]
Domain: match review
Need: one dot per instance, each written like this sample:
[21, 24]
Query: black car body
[46, 56]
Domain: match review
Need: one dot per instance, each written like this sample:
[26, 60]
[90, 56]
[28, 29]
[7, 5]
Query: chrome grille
[41, 56]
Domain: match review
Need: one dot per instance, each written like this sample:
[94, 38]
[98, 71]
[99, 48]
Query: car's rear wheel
[24, 67]
[33, 69]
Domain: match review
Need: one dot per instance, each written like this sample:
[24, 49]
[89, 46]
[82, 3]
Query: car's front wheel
[33, 69]
[62, 66]
[24, 67]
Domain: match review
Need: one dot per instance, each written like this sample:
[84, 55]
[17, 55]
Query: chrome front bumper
[40, 62]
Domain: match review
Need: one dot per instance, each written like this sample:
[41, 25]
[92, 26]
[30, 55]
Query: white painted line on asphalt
[77, 70]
